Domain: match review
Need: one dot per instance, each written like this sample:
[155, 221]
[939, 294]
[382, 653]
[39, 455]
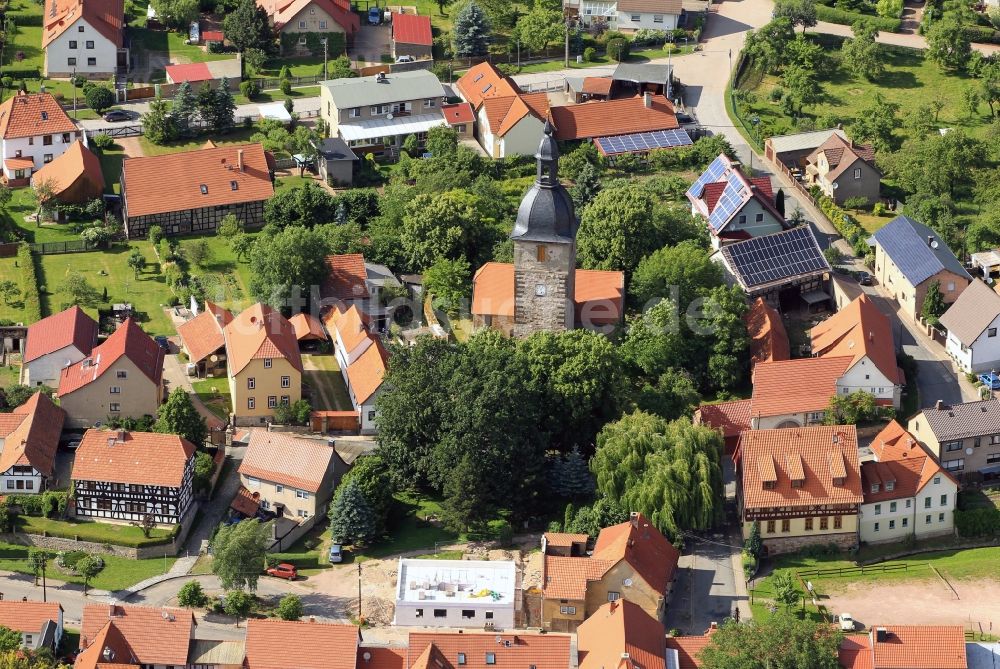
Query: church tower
[545, 249]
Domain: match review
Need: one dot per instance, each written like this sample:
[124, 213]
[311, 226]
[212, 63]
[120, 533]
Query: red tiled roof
[613, 117]
[859, 330]
[816, 454]
[203, 335]
[855, 652]
[33, 114]
[643, 547]
[246, 502]
[597, 85]
[375, 657]
[212, 36]
[503, 113]
[366, 373]
[768, 338]
[19, 163]
[567, 577]
[730, 417]
[282, 458]
[172, 182]
[307, 327]
[28, 616]
[621, 635]
[190, 72]
[412, 29]
[108, 643]
[35, 439]
[285, 644]
[78, 162]
[458, 113]
[282, 11]
[544, 651]
[260, 332]
[151, 636]
[346, 277]
[564, 539]
[900, 458]
[352, 324]
[128, 341]
[711, 194]
[105, 16]
[906, 647]
[484, 81]
[142, 458]
[688, 649]
[69, 327]
[796, 386]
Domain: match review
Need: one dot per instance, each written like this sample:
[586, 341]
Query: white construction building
[457, 593]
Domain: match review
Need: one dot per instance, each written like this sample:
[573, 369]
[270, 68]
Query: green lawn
[638, 56]
[275, 95]
[123, 535]
[27, 43]
[236, 136]
[304, 66]
[227, 281]
[9, 375]
[409, 528]
[329, 391]
[214, 394]
[111, 165]
[23, 204]
[145, 39]
[118, 573]
[310, 554]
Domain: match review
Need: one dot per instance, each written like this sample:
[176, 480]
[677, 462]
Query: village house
[636, 15]
[84, 37]
[909, 258]
[122, 377]
[121, 476]
[54, 343]
[631, 561]
[729, 418]
[972, 322]
[457, 593]
[74, 177]
[844, 170]
[905, 647]
[192, 191]
[965, 437]
[362, 359]
[793, 150]
[794, 393]
[684, 652]
[802, 485]
[117, 634]
[508, 122]
[264, 364]
[40, 624]
[460, 118]
[646, 113]
[376, 114]
[411, 36]
[293, 644]
[34, 131]
[350, 280]
[29, 439]
[906, 492]
[734, 206]
[768, 337]
[619, 629]
[485, 650]
[203, 340]
[299, 21]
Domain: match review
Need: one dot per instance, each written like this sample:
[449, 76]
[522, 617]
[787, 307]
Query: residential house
[729, 418]
[965, 437]
[906, 492]
[564, 544]
[121, 476]
[308, 329]
[460, 118]
[122, 377]
[684, 652]
[636, 15]
[972, 321]
[632, 561]
[376, 114]
[346, 280]
[211, 72]
[487, 650]
[905, 647]
[74, 177]
[733, 206]
[450, 593]
[861, 331]
[796, 270]
[411, 36]
[203, 340]
[34, 131]
[85, 38]
[508, 121]
[117, 634]
[336, 161]
[795, 393]
[620, 629]
[292, 644]
[768, 337]
[299, 22]
[192, 191]
[54, 343]
[793, 150]
[803, 486]
[614, 118]
[362, 358]
[40, 624]
[293, 476]
[909, 258]
[602, 13]
[264, 364]
[844, 170]
[29, 438]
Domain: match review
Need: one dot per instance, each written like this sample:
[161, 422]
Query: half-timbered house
[192, 191]
[29, 438]
[125, 476]
[802, 484]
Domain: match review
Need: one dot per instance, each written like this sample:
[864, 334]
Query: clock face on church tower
[540, 290]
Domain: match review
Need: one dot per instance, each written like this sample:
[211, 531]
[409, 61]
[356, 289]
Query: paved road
[706, 587]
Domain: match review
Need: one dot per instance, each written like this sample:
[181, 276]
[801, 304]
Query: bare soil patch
[923, 602]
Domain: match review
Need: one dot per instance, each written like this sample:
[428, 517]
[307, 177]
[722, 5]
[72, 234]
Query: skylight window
[488, 87]
[45, 116]
[204, 189]
[235, 185]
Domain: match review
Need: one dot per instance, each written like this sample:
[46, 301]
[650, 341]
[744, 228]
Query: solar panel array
[710, 175]
[643, 141]
[732, 199]
[771, 258]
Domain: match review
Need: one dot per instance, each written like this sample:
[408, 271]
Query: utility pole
[359, 593]
[566, 56]
[45, 558]
[325, 58]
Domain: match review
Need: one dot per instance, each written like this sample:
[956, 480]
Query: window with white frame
[267, 363]
[857, 173]
[286, 382]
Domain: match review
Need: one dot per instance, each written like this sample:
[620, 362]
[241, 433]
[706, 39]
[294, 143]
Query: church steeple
[546, 212]
[547, 158]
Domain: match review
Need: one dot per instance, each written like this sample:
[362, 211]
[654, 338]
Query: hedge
[34, 20]
[978, 522]
[26, 73]
[29, 284]
[846, 225]
[834, 15]
[981, 34]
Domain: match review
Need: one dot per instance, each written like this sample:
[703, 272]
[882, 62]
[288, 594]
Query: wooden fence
[8, 250]
[51, 248]
[852, 571]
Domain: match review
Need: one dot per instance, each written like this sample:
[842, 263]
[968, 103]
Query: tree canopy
[238, 553]
[179, 416]
[780, 641]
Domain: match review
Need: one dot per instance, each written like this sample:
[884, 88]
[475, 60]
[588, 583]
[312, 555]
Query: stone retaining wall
[781, 545]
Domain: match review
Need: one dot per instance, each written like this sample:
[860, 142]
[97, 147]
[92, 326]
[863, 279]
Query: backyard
[118, 573]
[214, 394]
[322, 374]
[123, 535]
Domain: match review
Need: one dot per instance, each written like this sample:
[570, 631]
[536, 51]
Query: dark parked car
[864, 278]
[116, 115]
[162, 342]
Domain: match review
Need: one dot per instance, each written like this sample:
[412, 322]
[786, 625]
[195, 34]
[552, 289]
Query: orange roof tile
[597, 85]
[69, 327]
[563, 539]
[766, 454]
[375, 657]
[77, 163]
[796, 386]
[688, 649]
[19, 163]
[607, 118]
[203, 335]
[282, 11]
[458, 113]
[306, 327]
[768, 338]
[108, 644]
[28, 616]
[142, 458]
[173, 182]
[855, 652]
[544, 651]
[643, 547]
[35, 440]
[899, 458]
[260, 332]
[366, 373]
[621, 635]
[105, 16]
[730, 417]
[246, 502]
[33, 114]
[127, 341]
[567, 577]
[283, 458]
[352, 324]
[484, 81]
[504, 113]
[919, 647]
[346, 277]
[858, 330]
[151, 636]
[285, 644]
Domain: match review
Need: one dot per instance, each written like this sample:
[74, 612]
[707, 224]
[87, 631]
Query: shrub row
[982, 34]
[978, 522]
[48, 504]
[834, 15]
[25, 73]
[19, 19]
[29, 284]
[846, 225]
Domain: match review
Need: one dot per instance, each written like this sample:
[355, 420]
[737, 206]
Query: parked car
[116, 115]
[864, 278]
[374, 16]
[284, 570]
[405, 59]
[990, 380]
[162, 342]
[683, 117]
[846, 622]
[336, 553]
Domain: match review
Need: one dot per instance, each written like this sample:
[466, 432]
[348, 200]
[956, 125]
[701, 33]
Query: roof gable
[283, 458]
[71, 327]
[859, 330]
[151, 635]
[128, 341]
[260, 332]
[107, 17]
[608, 118]
[622, 635]
[33, 114]
[916, 250]
[35, 440]
[643, 547]
[78, 162]
[976, 308]
[484, 81]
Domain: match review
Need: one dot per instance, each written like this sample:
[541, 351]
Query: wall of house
[590, 11]
[920, 516]
[485, 136]
[296, 505]
[312, 19]
[368, 414]
[664, 21]
[522, 139]
[139, 396]
[788, 420]
[28, 483]
[910, 298]
[423, 614]
[847, 186]
[418, 51]
[504, 324]
[46, 369]
[613, 581]
[982, 356]
[340, 172]
[798, 536]
[746, 221]
[267, 385]
[189, 221]
[36, 149]
[864, 375]
[555, 620]
[367, 112]
[58, 53]
[958, 456]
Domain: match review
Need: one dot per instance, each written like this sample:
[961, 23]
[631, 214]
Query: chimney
[312, 619]
[239, 158]
[713, 625]
[634, 518]
[647, 99]
[871, 335]
[930, 240]
[84, 642]
[881, 634]
[939, 405]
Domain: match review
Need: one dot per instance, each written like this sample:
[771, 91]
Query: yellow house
[631, 561]
[265, 367]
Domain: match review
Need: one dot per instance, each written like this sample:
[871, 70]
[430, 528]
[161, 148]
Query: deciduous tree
[685, 267]
[279, 261]
[780, 641]
[617, 229]
[876, 124]
[238, 553]
[239, 604]
[862, 53]
[449, 281]
[799, 12]
[246, 27]
[179, 416]
[175, 13]
[289, 608]
[948, 43]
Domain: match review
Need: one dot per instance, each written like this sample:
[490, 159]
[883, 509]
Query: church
[543, 290]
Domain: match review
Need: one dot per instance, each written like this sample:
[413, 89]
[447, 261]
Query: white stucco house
[362, 360]
[906, 492]
[456, 593]
[34, 131]
[508, 122]
[54, 343]
[84, 37]
[972, 322]
[634, 15]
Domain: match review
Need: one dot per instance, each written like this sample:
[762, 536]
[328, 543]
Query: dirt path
[924, 602]
[131, 146]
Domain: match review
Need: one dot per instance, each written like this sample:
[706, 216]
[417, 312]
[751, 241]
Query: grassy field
[111, 165]
[118, 572]
[275, 95]
[638, 56]
[23, 204]
[237, 136]
[329, 391]
[145, 39]
[214, 394]
[410, 528]
[303, 66]
[124, 535]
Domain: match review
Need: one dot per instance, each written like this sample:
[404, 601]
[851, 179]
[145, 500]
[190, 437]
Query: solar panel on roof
[761, 260]
[643, 141]
[710, 175]
[732, 199]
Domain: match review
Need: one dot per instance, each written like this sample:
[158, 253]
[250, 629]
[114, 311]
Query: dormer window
[235, 185]
[875, 487]
[838, 481]
[797, 483]
[45, 116]
[890, 486]
[204, 189]
[769, 485]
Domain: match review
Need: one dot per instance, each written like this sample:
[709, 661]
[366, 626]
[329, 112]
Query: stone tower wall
[553, 312]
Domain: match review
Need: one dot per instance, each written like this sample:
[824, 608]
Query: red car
[284, 570]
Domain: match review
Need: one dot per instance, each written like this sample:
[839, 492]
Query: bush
[155, 234]
[29, 284]
[102, 142]
[33, 20]
[191, 595]
[289, 608]
[981, 34]
[833, 15]
[286, 87]
[776, 94]
[590, 54]
[250, 88]
[978, 522]
[618, 49]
